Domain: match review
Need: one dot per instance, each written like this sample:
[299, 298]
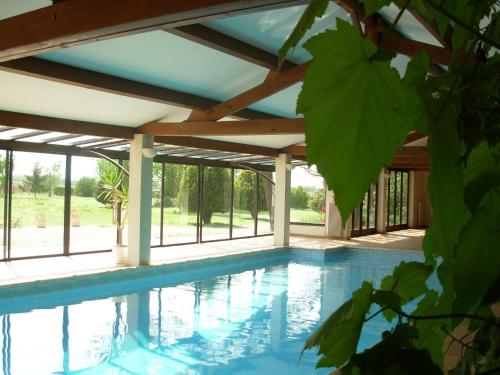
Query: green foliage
[357, 112]
[299, 197]
[244, 192]
[340, 137]
[86, 187]
[112, 189]
[317, 200]
[36, 183]
[316, 8]
[52, 178]
[216, 192]
[173, 177]
[187, 197]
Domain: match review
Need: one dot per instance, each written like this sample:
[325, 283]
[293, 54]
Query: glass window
[397, 199]
[364, 217]
[180, 204]
[3, 185]
[265, 224]
[37, 204]
[307, 197]
[156, 204]
[245, 203]
[216, 203]
[92, 226]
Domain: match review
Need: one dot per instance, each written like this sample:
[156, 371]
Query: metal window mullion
[231, 206]
[401, 200]
[395, 197]
[162, 197]
[361, 216]
[9, 213]
[256, 205]
[368, 207]
[5, 203]
[407, 196]
[67, 207]
[389, 199]
[201, 172]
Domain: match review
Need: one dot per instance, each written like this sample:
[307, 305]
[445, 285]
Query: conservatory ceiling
[96, 94]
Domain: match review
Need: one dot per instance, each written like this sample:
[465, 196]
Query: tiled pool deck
[48, 268]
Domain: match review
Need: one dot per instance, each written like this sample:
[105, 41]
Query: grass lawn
[28, 210]
[306, 216]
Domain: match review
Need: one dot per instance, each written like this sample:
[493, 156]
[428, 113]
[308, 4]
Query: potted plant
[112, 189]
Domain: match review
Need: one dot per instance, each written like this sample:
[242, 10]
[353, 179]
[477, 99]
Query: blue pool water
[241, 315]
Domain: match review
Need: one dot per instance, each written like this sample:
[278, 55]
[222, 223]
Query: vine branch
[458, 21]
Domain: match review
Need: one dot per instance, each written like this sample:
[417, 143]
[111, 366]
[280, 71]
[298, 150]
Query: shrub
[299, 198]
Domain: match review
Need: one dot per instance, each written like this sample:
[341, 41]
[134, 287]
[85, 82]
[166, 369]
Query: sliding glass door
[397, 199]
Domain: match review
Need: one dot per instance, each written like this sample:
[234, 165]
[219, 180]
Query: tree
[244, 192]
[316, 201]
[216, 191]
[187, 197]
[299, 198]
[86, 187]
[171, 186]
[35, 183]
[53, 177]
[458, 109]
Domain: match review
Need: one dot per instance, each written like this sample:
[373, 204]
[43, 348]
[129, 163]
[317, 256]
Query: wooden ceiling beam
[271, 86]
[52, 124]
[210, 144]
[60, 73]
[221, 128]
[299, 152]
[396, 42]
[221, 42]
[69, 23]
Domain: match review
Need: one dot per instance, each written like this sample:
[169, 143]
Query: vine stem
[446, 316]
[458, 21]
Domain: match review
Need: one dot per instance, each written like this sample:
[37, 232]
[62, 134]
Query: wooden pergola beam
[28, 121]
[216, 40]
[78, 77]
[210, 144]
[301, 150]
[221, 128]
[396, 42]
[69, 23]
[275, 84]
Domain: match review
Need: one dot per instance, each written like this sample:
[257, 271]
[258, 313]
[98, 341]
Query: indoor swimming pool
[245, 314]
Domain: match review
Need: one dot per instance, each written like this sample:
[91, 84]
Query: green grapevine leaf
[395, 354]
[446, 192]
[338, 337]
[316, 8]
[372, 6]
[356, 110]
[477, 264]
[408, 280]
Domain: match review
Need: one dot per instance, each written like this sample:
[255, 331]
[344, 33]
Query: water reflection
[253, 322]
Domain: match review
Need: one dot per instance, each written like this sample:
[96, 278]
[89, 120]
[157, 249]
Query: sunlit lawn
[28, 211]
[306, 216]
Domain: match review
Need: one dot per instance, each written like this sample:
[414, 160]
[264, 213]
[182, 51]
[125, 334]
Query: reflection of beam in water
[137, 319]
[6, 344]
[65, 339]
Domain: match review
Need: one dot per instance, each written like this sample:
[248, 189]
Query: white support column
[139, 205]
[333, 222]
[381, 224]
[282, 200]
